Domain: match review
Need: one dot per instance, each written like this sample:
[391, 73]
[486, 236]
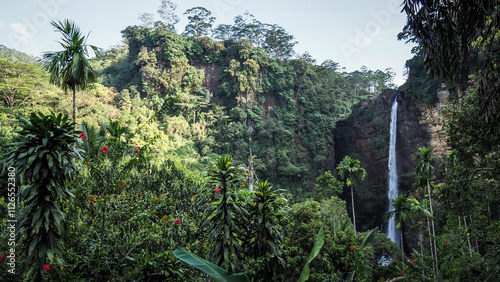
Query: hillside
[233, 98]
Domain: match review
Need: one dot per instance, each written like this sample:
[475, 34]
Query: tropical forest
[218, 153]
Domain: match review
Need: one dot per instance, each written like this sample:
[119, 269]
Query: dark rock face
[210, 81]
[365, 136]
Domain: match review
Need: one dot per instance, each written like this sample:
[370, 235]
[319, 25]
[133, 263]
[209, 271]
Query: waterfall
[393, 191]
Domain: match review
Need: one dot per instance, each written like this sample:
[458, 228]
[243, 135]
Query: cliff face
[210, 80]
[365, 136]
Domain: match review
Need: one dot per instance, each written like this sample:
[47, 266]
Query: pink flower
[156, 198]
[82, 135]
[352, 248]
[446, 243]
[137, 150]
[86, 163]
[46, 267]
[123, 184]
[104, 149]
[217, 189]
[3, 257]
[177, 221]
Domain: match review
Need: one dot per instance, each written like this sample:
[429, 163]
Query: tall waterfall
[393, 191]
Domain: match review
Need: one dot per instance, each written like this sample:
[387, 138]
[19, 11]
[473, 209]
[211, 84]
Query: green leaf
[214, 271]
[37, 168]
[369, 236]
[320, 240]
[50, 161]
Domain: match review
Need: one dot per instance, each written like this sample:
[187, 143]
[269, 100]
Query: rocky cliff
[365, 136]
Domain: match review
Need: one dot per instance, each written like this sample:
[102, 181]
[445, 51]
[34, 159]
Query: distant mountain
[14, 56]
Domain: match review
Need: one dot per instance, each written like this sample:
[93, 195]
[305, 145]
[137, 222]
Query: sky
[353, 33]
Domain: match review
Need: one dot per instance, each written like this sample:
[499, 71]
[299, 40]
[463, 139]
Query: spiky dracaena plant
[226, 216]
[44, 156]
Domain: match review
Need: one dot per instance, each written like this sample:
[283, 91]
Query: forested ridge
[283, 110]
[208, 154]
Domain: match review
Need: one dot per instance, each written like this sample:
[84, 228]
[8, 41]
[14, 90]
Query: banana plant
[215, 272]
[320, 240]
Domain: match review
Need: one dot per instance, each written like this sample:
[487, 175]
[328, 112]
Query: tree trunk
[74, 103]
[353, 214]
[468, 238]
[433, 229]
[402, 248]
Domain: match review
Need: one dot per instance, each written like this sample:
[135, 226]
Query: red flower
[166, 218]
[92, 200]
[104, 149]
[46, 267]
[82, 135]
[413, 261]
[137, 150]
[156, 198]
[86, 163]
[217, 189]
[446, 243]
[401, 271]
[177, 221]
[123, 184]
[383, 279]
[352, 248]
[3, 257]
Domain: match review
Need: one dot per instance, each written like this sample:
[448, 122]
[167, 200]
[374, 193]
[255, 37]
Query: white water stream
[393, 191]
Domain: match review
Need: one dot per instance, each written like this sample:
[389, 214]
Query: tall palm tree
[424, 173]
[402, 213]
[419, 209]
[350, 169]
[70, 68]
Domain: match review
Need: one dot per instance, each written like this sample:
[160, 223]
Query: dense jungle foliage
[196, 158]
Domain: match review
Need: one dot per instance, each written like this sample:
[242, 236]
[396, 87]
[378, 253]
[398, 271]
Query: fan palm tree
[70, 68]
[350, 169]
[424, 173]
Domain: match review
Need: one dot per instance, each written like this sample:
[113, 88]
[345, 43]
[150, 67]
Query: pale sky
[353, 33]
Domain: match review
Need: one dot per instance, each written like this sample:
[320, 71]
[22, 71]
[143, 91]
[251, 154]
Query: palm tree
[402, 214]
[70, 68]
[419, 209]
[350, 169]
[424, 173]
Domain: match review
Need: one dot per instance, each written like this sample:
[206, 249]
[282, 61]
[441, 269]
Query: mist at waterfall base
[392, 192]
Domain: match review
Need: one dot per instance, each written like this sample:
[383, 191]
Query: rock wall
[365, 136]
[210, 81]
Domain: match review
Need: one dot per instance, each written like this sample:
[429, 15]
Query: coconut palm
[350, 169]
[424, 173]
[70, 68]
